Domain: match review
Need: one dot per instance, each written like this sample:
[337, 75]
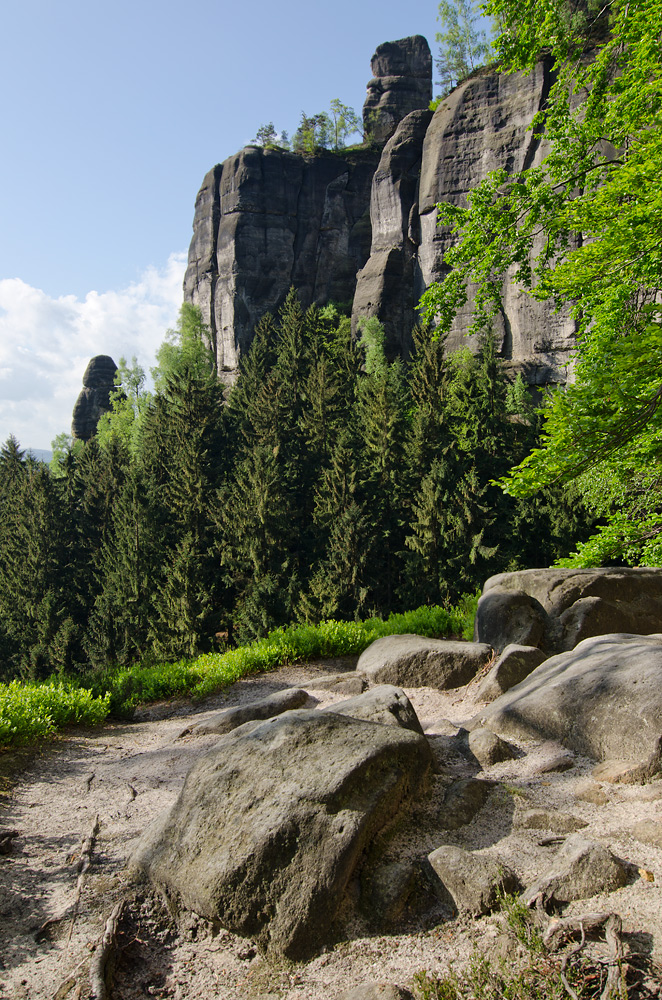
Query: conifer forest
[330, 483]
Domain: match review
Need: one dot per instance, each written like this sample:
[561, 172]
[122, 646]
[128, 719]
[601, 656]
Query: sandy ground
[126, 774]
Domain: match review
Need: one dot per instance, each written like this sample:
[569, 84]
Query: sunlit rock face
[361, 225]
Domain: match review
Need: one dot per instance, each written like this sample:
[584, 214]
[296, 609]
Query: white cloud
[46, 343]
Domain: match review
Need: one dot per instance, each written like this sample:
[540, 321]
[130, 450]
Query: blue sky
[111, 115]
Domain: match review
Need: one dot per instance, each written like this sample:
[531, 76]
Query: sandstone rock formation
[266, 220]
[514, 664]
[401, 82]
[271, 825]
[94, 397]
[363, 226]
[554, 609]
[603, 699]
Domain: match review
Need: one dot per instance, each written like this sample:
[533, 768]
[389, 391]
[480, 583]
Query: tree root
[84, 863]
[104, 952]
[558, 929]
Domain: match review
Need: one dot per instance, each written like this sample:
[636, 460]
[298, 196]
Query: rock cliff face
[94, 397]
[266, 220]
[483, 125]
[363, 225]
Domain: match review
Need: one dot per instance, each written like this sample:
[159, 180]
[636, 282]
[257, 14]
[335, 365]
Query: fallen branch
[103, 953]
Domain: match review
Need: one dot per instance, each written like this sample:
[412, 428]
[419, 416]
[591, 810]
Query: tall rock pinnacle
[401, 82]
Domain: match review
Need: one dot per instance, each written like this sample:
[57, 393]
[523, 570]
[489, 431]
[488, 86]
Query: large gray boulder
[401, 82]
[386, 704]
[94, 397]
[555, 609]
[415, 661]
[603, 699]
[272, 824]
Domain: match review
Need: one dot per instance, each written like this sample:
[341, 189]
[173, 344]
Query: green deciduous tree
[462, 42]
[583, 230]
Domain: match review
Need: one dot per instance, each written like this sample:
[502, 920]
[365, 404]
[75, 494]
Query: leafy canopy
[583, 230]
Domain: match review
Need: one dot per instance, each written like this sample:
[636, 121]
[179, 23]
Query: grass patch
[535, 980]
[36, 711]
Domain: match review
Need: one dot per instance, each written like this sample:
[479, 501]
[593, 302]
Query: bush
[33, 711]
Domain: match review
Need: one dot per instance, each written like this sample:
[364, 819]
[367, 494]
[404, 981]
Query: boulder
[346, 683]
[94, 397]
[414, 661]
[488, 748]
[464, 799]
[581, 869]
[386, 705]
[272, 824]
[264, 708]
[603, 699]
[555, 822]
[474, 882]
[509, 618]
[574, 604]
[515, 663]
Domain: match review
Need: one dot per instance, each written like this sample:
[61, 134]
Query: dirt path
[51, 919]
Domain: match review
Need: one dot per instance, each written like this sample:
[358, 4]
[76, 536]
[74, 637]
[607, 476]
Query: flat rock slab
[386, 704]
[581, 869]
[414, 661]
[473, 882]
[603, 699]
[556, 822]
[346, 683]
[265, 708]
[272, 824]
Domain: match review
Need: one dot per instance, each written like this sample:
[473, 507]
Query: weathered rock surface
[265, 708]
[271, 825]
[346, 683]
[386, 704]
[473, 881]
[556, 822]
[375, 991]
[387, 286]
[386, 890]
[464, 799]
[515, 663]
[568, 605]
[266, 220]
[401, 82]
[582, 868]
[415, 661]
[94, 397]
[603, 699]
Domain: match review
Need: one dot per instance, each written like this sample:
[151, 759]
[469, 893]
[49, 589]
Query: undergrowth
[31, 711]
[537, 979]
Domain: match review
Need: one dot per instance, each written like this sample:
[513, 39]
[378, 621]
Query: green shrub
[31, 711]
